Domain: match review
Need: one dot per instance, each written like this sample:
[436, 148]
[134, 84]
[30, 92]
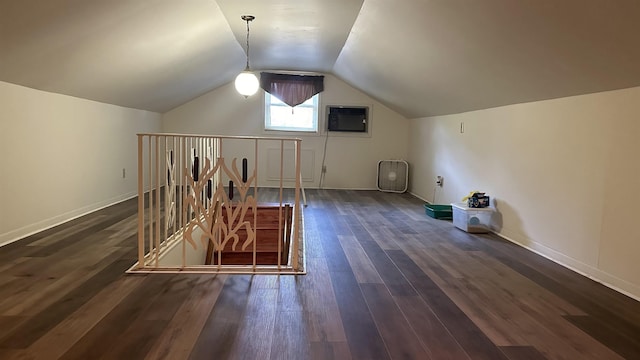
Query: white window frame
[267, 116]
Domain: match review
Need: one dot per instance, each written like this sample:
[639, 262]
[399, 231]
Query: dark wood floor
[384, 282]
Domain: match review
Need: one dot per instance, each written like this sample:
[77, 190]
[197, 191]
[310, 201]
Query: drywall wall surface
[62, 157]
[351, 159]
[620, 238]
[562, 173]
[193, 256]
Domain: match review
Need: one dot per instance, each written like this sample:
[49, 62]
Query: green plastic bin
[443, 212]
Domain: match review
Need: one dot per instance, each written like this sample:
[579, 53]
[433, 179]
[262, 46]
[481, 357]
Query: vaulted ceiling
[419, 57]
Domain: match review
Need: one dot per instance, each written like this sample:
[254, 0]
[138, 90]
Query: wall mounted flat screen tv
[347, 118]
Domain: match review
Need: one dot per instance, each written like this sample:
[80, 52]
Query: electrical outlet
[439, 180]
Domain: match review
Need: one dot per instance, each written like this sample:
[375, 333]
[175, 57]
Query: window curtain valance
[293, 90]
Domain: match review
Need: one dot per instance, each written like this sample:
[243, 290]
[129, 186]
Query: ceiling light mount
[246, 82]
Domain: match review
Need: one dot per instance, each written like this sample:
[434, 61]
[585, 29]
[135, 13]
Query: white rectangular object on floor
[472, 220]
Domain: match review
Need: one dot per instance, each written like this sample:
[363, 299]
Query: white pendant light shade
[247, 83]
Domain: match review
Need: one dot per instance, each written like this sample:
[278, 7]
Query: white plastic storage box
[472, 220]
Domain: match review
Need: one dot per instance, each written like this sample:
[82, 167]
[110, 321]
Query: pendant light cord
[247, 69]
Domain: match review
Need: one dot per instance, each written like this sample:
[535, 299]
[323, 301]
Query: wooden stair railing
[268, 234]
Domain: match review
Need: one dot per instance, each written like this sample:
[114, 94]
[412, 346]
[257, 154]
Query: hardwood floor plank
[399, 221]
[123, 229]
[6, 266]
[505, 317]
[563, 337]
[25, 246]
[424, 255]
[13, 291]
[106, 335]
[47, 291]
[362, 267]
[510, 322]
[505, 278]
[391, 276]
[136, 341]
[29, 332]
[292, 290]
[79, 225]
[472, 339]
[61, 338]
[329, 351]
[313, 236]
[585, 345]
[330, 245]
[257, 331]
[221, 328]
[314, 295]
[54, 266]
[430, 330]
[57, 246]
[522, 353]
[13, 354]
[170, 297]
[383, 236]
[627, 347]
[9, 323]
[290, 340]
[581, 298]
[618, 304]
[400, 339]
[179, 336]
[499, 323]
[364, 339]
[485, 305]
[384, 281]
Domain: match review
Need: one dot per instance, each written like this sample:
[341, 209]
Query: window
[280, 116]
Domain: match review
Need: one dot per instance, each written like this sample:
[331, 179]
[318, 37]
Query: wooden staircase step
[247, 259]
[266, 217]
[266, 240]
[272, 223]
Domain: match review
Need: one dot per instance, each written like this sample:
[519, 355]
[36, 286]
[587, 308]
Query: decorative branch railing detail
[211, 222]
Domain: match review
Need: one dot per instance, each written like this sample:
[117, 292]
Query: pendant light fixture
[246, 82]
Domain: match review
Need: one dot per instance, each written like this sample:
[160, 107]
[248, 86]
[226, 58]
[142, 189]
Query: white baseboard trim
[21, 233]
[317, 188]
[613, 282]
[420, 197]
[337, 188]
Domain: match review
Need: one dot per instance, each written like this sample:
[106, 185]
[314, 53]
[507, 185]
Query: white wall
[564, 175]
[351, 160]
[61, 157]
